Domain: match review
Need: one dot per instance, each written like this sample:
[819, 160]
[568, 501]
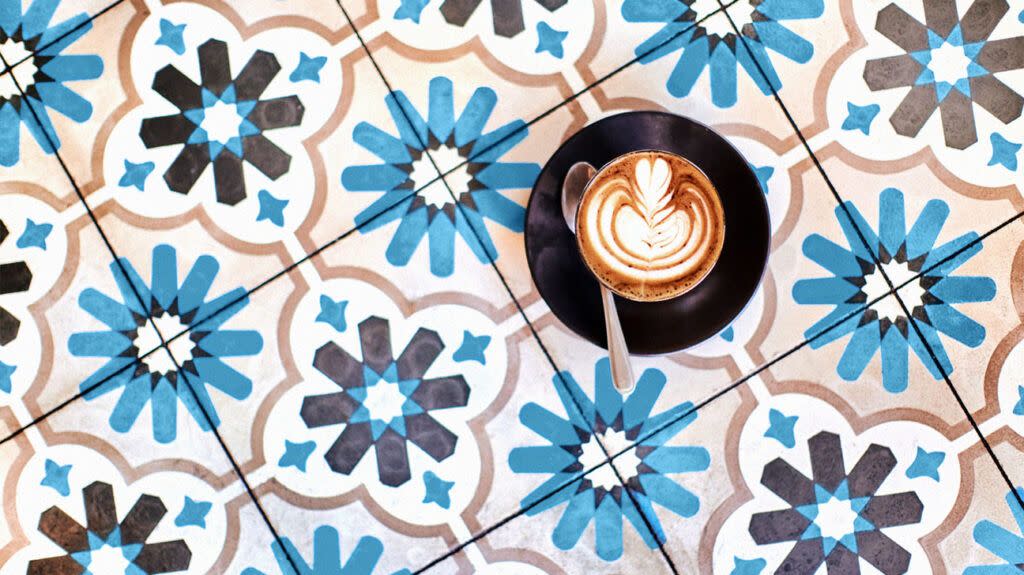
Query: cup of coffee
[650, 225]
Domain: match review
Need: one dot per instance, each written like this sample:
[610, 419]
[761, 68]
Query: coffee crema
[650, 225]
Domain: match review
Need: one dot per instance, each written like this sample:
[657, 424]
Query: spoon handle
[622, 373]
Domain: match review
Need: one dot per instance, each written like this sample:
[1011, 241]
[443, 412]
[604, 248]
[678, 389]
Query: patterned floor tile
[559, 538]
[926, 82]
[979, 345]
[679, 61]
[429, 243]
[79, 499]
[62, 330]
[531, 42]
[69, 84]
[219, 121]
[913, 224]
[449, 417]
[806, 477]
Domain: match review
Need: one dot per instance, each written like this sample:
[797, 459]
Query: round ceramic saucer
[569, 288]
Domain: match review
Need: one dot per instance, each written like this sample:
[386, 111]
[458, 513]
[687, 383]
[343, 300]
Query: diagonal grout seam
[38, 49]
[138, 297]
[893, 290]
[515, 301]
[729, 388]
[536, 336]
[693, 409]
[575, 96]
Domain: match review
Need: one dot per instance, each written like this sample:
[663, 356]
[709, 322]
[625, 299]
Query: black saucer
[571, 291]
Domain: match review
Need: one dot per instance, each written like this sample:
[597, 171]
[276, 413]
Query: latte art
[650, 226]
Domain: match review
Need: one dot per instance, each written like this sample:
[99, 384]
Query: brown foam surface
[650, 225]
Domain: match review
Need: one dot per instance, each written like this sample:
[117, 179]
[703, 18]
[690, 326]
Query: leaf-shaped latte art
[652, 226]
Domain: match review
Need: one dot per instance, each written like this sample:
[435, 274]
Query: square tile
[77, 495]
[71, 88]
[68, 318]
[815, 471]
[925, 83]
[219, 122]
[449, 416]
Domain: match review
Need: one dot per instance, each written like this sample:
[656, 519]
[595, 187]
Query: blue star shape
[271, 208]
[926, 464]
[549, 40]
[860, 117]
[437, 490]
[728, 334]
[763, 173]
[57, 477]
[781, 427]
[410, 10]
[34, 235]
[472, 348]
[308, 68]
[171, 36]
[5, 376]
[296, 454]
[136, 174]
[333, 313]
[1004, 152]
[1017, 409]
[193, 513]
[747, 566]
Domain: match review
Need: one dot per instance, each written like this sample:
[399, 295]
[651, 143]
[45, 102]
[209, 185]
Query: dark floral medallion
[385, 402]
[222, 121]
[836, 518]
[949, 64]
[104, 545]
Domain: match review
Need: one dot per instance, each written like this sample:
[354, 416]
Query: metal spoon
[572, 192]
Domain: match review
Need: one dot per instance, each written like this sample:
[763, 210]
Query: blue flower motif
[702, 47]
[431, 210]
[1002, 542]
[38, 47]
[598, 496]
[154, 379]
[327, 556]
[930, 297]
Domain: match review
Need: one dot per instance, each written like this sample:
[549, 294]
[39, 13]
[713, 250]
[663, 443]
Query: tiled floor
[323, 353]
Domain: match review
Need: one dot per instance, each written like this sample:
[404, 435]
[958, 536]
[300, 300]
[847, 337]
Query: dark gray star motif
[384, 402]
[102, 529]
[927, 67]
[230, 105]
[835, 517]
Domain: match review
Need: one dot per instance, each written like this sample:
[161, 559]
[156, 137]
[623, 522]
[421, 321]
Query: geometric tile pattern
[303, 224]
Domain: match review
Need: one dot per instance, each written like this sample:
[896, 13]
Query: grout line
[575, 96]
[76, 28]
[224, 447]
[139, 300]
[533, 331]
[913, 322]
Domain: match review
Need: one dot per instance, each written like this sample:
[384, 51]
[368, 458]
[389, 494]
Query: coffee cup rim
[586, 190]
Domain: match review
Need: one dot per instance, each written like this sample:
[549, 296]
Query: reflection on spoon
[572, 192]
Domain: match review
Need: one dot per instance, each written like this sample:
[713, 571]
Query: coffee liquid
[650, 226]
